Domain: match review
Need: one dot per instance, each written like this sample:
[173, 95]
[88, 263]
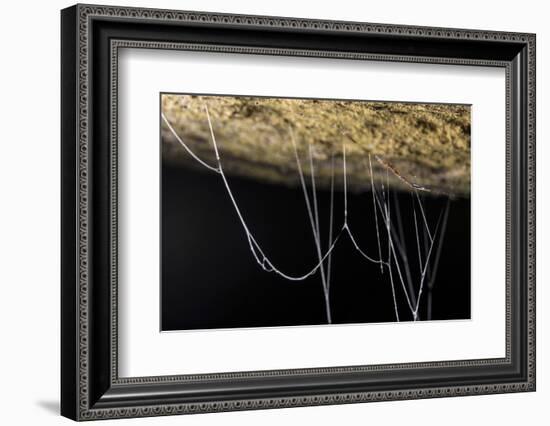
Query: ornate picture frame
[91, 38]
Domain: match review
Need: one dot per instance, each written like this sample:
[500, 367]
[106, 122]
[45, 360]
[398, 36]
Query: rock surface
[422, 146]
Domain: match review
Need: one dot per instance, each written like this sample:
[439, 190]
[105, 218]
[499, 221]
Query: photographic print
[263, 212]
[293, 212]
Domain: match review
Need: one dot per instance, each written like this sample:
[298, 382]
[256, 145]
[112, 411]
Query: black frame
[90, 38]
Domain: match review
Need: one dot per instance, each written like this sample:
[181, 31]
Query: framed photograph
[263, 212]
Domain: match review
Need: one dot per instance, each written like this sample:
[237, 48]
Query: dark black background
[211, 280]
